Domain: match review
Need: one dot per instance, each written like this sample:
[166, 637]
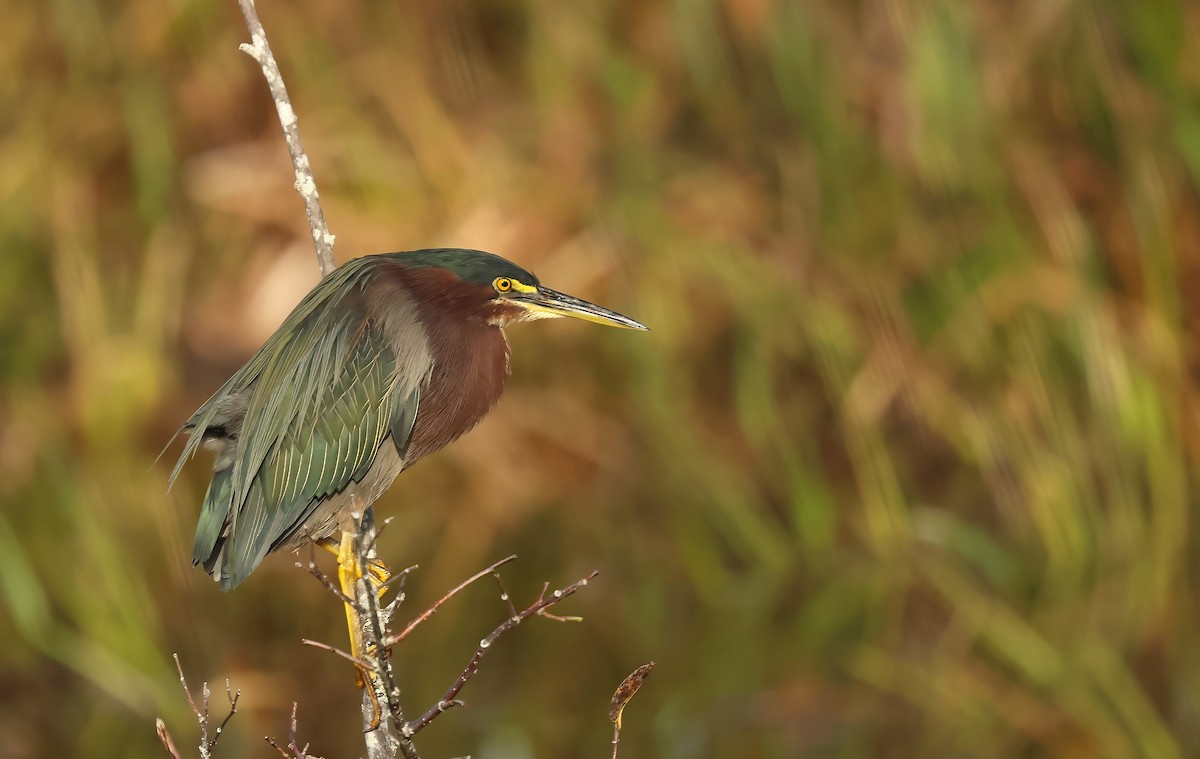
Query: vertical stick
[260, 51]
[382, 740]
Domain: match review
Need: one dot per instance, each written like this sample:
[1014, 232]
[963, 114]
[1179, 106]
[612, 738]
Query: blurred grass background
[906, 467]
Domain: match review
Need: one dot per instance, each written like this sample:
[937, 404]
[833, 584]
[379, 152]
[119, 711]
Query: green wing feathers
[212, 519]
[319, 437]
[320, 398]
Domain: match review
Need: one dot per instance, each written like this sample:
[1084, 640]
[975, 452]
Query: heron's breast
[470, 367]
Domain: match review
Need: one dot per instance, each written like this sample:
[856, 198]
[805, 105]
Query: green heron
[388, 359]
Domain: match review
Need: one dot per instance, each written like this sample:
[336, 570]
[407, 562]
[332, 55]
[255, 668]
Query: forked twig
[293, 743]
[450, 698]
[202, 717]
[392, 640]
[233, 702]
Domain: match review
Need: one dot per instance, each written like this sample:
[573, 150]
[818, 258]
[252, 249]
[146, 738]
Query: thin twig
[379, 531]
[362, 664]
[366, 670]
[314, 570]
[260, 51]
[201, 714]
[449, 698]
[555, 617]
[233, 702]
[399, 578]
[505, 597]
[293, 743]
[394, 639]
[275, 746]
[160, 727]
[202, 717]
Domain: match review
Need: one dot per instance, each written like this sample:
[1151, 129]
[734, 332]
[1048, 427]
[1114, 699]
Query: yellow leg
[349, 573]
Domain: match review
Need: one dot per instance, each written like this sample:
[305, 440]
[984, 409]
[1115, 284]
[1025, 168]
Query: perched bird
[388, 359]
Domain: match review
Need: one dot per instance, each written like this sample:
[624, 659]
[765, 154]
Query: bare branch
[202, 718]
[362, 664]
[394, 639]
[233, 702]
[311, 567]
[507, 599]
[379, 531]
[275, 746]
[293, 743]
[449, 698]
[260, 51]
[399, 578]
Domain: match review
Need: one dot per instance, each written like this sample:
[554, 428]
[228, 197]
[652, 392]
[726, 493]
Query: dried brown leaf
[625, 691]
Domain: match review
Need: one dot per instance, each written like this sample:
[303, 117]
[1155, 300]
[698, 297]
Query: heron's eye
[502, 284]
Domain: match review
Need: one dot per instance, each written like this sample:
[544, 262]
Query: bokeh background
[905, 468]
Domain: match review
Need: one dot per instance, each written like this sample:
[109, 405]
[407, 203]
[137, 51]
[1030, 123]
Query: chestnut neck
[470, 357]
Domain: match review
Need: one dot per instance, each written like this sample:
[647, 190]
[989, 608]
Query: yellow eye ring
[502, 284]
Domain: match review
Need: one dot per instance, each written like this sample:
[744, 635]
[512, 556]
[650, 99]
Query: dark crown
[474, 266]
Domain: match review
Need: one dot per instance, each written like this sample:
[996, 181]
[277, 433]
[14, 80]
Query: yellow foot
[350, 571]
[380, 574]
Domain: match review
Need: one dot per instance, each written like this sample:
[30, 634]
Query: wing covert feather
[325, 392]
